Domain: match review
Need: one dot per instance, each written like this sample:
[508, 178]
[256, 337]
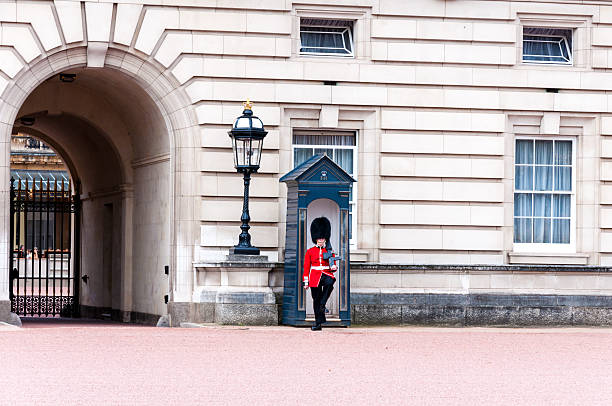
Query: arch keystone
[96, 54]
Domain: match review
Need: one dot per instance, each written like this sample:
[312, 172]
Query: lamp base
[238, 250]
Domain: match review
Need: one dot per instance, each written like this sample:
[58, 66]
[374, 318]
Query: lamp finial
[248, 105]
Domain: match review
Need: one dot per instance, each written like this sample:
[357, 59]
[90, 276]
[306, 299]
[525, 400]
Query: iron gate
[44, 227]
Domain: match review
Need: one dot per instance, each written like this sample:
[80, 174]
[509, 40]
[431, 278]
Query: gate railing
[44, 220]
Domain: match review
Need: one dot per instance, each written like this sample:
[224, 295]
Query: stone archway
[121, 126]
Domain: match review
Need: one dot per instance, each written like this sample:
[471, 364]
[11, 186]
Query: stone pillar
[235, 291]
[5, 239]
[125, 301]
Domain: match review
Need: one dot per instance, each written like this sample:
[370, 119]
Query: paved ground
[90, 364]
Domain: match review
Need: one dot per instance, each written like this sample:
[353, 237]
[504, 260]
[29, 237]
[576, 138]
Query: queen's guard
[318, 274]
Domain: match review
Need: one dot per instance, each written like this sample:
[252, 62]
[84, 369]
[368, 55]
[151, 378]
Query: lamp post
[247, 136]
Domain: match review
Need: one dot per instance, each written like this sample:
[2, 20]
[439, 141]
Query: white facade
[436, 92]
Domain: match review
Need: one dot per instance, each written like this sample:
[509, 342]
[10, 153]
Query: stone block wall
[472, 295]
[441, 77]
[481, 310]
[436, 92]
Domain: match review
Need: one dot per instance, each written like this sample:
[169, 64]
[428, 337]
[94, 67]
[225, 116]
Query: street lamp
[247, 136]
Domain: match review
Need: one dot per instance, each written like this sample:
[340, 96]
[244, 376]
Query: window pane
[322, 40]
[305, 138]
[522, 204]
[312, 23]
[327, 38]
[543, 49]
[562, 205]
[523, 178]
[547, 45]
[522, 230]
[565, 50]
[325, 30]
[344, 159]
[543, 177]
[327, 151]
[561, 231]
[563, 153]
[300, 155]
[347, 41]
[541, 205]
[524, 152]
[324, 51]
[544, 152]
[563, 178]
[554, 32]
[541, 230]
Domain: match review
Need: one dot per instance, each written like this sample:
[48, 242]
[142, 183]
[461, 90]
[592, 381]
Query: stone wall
[436, 92]
[481, 309]
[434, 161]
[470, 295]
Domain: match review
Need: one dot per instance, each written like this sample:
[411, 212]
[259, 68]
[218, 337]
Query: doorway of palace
[44, 233]
[94, 243]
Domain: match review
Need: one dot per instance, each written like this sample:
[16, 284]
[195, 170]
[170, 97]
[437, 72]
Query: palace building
[478, 134]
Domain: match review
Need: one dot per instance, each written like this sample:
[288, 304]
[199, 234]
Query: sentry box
[318, 187]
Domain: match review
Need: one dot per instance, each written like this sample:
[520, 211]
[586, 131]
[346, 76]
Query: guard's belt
[319, 268]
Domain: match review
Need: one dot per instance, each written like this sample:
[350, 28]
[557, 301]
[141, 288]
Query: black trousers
[320, 294]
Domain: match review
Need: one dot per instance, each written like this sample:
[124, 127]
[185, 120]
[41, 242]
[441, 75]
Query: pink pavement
[59, 363]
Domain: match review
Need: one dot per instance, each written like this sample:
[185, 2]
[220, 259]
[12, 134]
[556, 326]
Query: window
[341, 147]
[547, 45]
[326, 37]
[544, 193]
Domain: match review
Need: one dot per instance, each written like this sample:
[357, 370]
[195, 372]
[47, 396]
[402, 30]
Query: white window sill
[547, 258]
[326, 56]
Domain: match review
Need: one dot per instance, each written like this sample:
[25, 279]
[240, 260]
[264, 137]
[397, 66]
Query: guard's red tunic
[315, 265]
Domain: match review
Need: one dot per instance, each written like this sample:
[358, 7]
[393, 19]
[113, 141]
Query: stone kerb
[234, 291]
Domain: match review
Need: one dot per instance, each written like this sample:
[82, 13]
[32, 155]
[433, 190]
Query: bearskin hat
[320, 228]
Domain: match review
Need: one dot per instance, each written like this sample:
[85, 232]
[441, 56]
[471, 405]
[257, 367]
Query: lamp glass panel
[256, 123]
[256, 155]
[235, 147]
[243, 122]
[240, 152]
[248, 151]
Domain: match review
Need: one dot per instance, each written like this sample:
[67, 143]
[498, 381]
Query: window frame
[353, 204]
[547, 247]
[569, 49]
[350, 27]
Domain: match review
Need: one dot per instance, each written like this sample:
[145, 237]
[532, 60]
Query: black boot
[316, 327]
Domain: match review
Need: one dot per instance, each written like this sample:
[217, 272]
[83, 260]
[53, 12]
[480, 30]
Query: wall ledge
[464, 268]
[547, 259]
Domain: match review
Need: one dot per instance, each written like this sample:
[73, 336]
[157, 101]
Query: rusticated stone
[377, 314]
[415, 314]
[246, 314]
[204, 312]
[434, 315]
[592, 316]
[489, 315]
[179, 312]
